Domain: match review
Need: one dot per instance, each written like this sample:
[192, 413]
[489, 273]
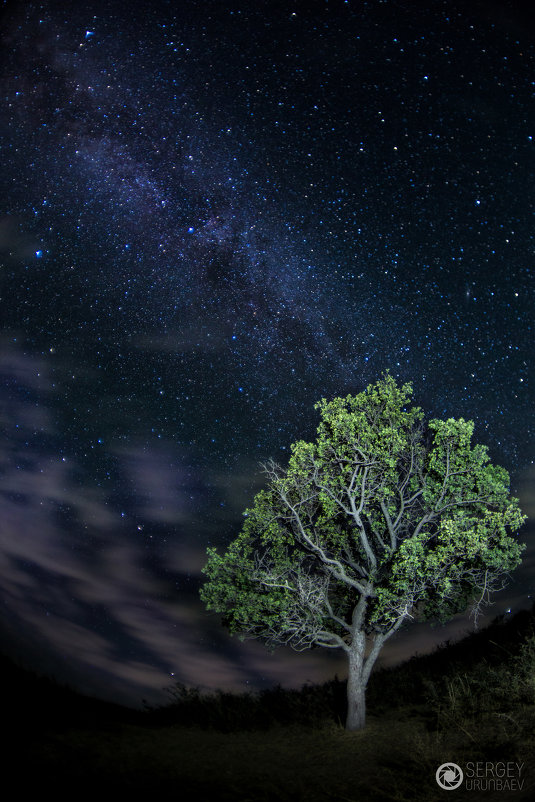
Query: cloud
[163, 489]
[81, 581]
[14, 244]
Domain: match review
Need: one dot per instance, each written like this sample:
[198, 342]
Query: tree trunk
[356, 688]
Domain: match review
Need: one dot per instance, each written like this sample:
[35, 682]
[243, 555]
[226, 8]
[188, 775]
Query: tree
[382, 519]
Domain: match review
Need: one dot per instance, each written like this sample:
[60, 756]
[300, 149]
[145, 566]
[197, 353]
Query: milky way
[214, 215]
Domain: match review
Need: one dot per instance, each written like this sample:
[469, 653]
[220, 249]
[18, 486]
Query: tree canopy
[382, 519]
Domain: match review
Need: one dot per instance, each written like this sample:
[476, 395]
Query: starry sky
[212, 215]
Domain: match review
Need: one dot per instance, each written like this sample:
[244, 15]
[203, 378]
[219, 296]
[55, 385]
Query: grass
[473, 701]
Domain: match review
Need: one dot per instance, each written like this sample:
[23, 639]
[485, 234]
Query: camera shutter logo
[449, 776]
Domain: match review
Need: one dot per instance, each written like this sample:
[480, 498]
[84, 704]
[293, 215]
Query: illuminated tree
[382, 519]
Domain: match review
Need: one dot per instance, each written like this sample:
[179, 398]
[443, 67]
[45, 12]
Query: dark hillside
[469, 701]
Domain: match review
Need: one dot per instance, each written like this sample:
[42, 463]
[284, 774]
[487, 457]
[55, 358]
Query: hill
[472, 702]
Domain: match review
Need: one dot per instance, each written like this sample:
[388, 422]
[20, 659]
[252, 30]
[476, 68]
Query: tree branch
[335, 567]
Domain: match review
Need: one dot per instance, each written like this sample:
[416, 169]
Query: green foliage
[382, 518]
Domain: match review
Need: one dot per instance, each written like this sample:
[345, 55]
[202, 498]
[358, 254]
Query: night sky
[212, 215]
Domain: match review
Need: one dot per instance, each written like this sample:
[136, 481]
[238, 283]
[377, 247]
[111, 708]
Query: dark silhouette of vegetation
[498, 660]
[471, 700]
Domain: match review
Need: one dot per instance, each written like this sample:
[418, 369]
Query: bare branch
[335, 567]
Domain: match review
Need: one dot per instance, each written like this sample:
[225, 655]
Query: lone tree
[383, 518]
